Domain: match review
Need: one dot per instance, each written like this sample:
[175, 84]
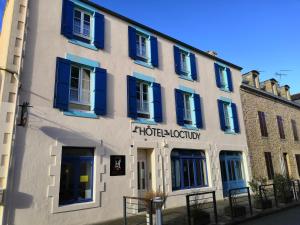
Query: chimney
[213, 53]
[271, 86]
[285, 92]
[252, 78]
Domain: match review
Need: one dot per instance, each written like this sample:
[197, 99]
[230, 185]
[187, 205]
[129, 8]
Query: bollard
[158, 203]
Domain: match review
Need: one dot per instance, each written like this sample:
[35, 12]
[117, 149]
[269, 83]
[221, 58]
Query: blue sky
[254, 34]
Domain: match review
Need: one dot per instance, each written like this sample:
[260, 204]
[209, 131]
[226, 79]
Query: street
[288, 217]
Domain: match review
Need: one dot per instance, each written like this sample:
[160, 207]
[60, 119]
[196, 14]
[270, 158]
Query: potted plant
[283, 185]
[261, 200]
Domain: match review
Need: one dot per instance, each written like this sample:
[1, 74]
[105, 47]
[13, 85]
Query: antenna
[282, 73]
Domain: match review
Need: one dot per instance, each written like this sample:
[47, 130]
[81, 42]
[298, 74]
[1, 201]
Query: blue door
[232, 171]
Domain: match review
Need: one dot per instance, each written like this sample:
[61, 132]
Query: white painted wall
[38, 146]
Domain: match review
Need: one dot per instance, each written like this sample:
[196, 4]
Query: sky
[255, 34]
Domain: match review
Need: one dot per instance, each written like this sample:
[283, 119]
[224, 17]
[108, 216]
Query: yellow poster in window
[84, 179]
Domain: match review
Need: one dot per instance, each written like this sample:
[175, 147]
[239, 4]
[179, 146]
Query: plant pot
[200, 217]
[263, 204]
[237, 211]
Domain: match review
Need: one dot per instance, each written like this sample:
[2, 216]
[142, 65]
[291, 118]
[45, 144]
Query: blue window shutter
[235, 118]
[193, 66]
[198, 112]
[131, 97]
[157, 102]
[99, 31]
[179, 107]
[100, 91]
[221, 115]
[229, 79]
[177, 60]
[132, 42]
[154, 51]
[217, 72]
[62, 84]
[67, 19]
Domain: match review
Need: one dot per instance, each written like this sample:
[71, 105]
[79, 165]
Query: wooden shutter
[154, 51]
[193, 66]
[157, 102]
[67, 19]
[99, 31]
[100, 91]
[262, 123]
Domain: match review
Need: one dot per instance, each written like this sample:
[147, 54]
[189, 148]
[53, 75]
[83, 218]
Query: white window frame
[83, 12]
[186, 70]
[187, 97]
[223, 77]
[80, 91]
[228, 116]
[139, 36]
[140, 83]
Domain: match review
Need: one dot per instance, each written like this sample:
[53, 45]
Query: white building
[118, 109]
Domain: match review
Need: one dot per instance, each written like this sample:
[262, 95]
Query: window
[228, 116]
[285, 163]
[82, 24]
[262, 123]
[187, 108]
[188, 169]
[142, 97]
[142, 43]
[223, 77]
[295, 130]
[298, 163]
[269, 165]
[80, 88]
[280, 127]
[76, 179]
[184, 61]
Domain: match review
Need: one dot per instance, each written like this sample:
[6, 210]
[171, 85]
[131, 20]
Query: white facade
[37, 159]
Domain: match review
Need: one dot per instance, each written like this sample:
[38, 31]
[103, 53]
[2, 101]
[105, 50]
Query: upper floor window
[185, 63]
[262, 123]
[269, 165]
[295, 130]
[223, 77]
[142, 47]
[80, 89]
[188, 109]
[280, 127]
[144, 100]
[228, 116]
[82, 25]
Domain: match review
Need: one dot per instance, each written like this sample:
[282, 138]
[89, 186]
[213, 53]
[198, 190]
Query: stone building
[118, 109]
[272, 122]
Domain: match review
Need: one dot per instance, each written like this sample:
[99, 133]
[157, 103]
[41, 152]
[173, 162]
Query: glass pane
[66, 191]
[85, 180]
[143, 173]
[77, 14]
[232, 175]
[85, 98]
[74, 95]
[77, 23]
[86, 18]
[239, 172]
[139, 175]
[223, 171]
[185, 173]
[199, 175]
[191, 170]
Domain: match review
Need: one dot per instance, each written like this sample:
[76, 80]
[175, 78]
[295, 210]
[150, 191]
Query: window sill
[141, 63]
[190, 127]
[225, 90]
[145, 121]
[230, 132]
[185, 78]
[194, 189]
[81, 114]
[82, 44]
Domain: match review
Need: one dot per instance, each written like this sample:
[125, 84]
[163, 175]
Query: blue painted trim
[143, 77]
[82, 44]
[186, 89]
[141, 63]
[85, 6]
[221, 64]
[145, 121]
[228, 100]
[142, 31]
[190, 127]
[81, 114]
[83, 61]
[183, 49]
[186, 77]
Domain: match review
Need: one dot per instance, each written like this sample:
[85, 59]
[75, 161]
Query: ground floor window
[189, 169]
[269, 164]
[76, 179]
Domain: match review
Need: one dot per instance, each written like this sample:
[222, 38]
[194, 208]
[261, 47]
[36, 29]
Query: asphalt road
[287, 217]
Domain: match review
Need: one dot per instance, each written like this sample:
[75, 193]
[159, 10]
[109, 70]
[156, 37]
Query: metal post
[215, 207]
[275, 195]
[124, 211]
[151, 212]
[188, 210]
[249, 198]
[158, 203]
[230, 203]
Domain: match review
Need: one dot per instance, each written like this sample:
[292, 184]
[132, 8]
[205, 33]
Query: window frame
[280, 127]
[188, 102]
[190, 157]
[269, 165]
[295, 130]
[263, 124]
[229, 115]
[185, 57]
[82, 14]
[223, 78]
[77, 160]
[139, 36]
[80, 91]
[140, 83]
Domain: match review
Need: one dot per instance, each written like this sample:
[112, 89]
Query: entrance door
[232, 171]
[143, 173]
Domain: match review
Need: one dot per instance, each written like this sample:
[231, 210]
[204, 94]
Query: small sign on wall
[117, 165]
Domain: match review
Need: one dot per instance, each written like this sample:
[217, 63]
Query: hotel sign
[157, 132]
